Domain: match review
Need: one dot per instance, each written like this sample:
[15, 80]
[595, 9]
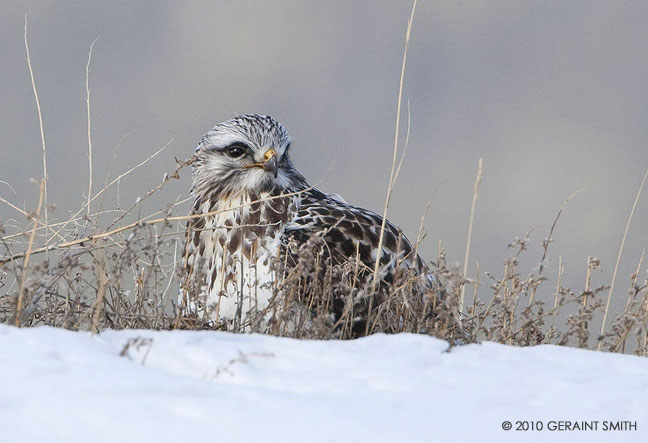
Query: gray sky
[553, 96]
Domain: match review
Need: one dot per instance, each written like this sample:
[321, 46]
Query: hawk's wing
[348, 232]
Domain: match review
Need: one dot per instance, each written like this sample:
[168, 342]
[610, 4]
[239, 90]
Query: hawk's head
[247, 153]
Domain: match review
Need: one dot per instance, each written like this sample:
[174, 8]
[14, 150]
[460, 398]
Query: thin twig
[101, 291]
[165, 180]
[561, 270]
[548, 241]
[616, 266]
[42, 131]
[110, 169]
[54, 225]
[28, 254]
[395, 151]
[116, 180]
[9, 185]
[407, 136]
[87, 85]
[26, 214]
[139, 223]
[470, 229]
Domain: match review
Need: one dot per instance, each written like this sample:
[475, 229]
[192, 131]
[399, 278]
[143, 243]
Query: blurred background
[552, 95]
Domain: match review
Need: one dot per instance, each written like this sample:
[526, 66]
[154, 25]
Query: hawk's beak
[270, 161]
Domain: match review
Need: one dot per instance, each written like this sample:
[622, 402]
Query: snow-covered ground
[181, 386]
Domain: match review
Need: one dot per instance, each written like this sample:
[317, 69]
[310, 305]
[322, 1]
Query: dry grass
[106, 271]
[623, 240]
[129, 277]
[470, 229]
[40, 124]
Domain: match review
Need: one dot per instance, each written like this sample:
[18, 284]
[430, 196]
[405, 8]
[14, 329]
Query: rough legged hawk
[261, 208]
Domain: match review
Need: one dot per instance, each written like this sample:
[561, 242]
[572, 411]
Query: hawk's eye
[235, 151]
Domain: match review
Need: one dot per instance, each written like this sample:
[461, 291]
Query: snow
[177, 386]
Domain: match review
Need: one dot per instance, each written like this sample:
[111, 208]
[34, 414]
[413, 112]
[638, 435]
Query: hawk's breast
[232, 250]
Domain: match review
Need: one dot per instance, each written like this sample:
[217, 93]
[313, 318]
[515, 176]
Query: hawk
[254, 209]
